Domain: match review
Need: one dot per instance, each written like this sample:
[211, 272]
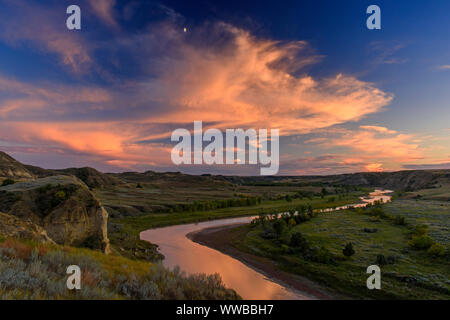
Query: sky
[345, 98]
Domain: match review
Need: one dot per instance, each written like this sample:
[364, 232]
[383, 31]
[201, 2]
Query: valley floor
[409, 274]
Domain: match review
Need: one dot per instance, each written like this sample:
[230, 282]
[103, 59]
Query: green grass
[149, 221]
[125, 239]
[35, 271]
[333, 230]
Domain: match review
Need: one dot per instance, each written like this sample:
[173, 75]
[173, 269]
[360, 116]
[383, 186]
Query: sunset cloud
[104, 9]
[160, 78]
[444, 67]
[41, 26]
[379, 129]
[394, 147]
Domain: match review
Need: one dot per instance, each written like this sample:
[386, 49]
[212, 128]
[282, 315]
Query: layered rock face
[63, 206]
[10, 226]
[11, 168]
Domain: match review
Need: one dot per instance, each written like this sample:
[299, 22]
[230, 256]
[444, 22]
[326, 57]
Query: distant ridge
[90, 176]
[408, 180]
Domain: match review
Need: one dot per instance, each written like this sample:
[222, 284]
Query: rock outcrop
[10, 226]
[63, 206]
[13, 169]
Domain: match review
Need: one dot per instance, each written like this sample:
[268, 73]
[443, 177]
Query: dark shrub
[7, 182]
[381, 260]
[279, 226]
[268, 234]
[324, 256]
[348, 250]
[378, 212]
[391, 259]
[321, 255]
[370, 230]
[437, 250]
[298, 241]
[420, 230]
[400, 220]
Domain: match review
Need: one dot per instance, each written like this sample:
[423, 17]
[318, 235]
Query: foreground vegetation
[408, 239]
[38, 271]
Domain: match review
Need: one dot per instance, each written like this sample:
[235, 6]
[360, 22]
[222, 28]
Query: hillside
[90, 176]
[63, 206]
[11, 168]
[407, 180]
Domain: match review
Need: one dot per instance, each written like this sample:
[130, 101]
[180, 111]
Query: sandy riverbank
[219, 238]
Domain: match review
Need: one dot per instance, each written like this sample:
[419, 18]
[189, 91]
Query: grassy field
[38, 271]
[412, 274]
[160, 193]
[123, 233]
[149, 221]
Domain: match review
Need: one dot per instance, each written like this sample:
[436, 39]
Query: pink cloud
[104, 9]
[41, 26]
[253, 82]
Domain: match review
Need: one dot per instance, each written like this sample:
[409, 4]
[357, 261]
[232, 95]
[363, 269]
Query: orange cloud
[394, 147]
[374, 167]
[253, 82]
[378, 129]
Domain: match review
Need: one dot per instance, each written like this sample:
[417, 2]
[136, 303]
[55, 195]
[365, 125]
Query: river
[195, 258]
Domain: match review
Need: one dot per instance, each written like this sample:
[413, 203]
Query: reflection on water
[377, 195]
[195, 258]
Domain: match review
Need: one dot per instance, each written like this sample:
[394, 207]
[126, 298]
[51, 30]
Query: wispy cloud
[378, 129]
[104, 9]
[444, 67]
[385, 52]
[41, 26]
[216, 72]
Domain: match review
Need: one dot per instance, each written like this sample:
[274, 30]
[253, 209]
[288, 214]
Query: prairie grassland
[37, 271]
[148, 221]
[408, 273]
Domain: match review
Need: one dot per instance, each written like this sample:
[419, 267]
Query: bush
[279, 226]
[292, 222]
[60, 196]
[437, 250]
[7, 182]
[421, 242]
[378, 212]
[399, 220]
[420, 230]
[298, 241]
[348, 250]
[321, 255]
[268, 234]
[381, 260]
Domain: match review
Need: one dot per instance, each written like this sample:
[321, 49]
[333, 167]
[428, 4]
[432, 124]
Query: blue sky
[375, 99]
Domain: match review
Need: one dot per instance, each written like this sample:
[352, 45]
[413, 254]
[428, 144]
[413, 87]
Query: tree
[348, 250]
[279, 226]
[298, 241]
